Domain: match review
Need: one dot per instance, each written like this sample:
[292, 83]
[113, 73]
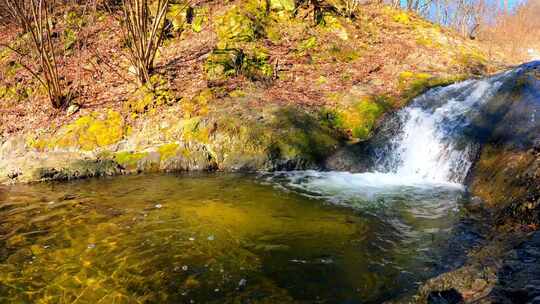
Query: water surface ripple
[303, 237]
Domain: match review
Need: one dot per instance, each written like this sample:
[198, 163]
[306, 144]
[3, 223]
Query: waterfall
[430, 144]
[423, 151]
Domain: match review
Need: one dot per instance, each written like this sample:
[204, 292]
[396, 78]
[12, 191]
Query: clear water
[280, 238]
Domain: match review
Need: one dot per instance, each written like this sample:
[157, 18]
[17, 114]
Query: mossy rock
[301, 138]
[150, 97]
[357, 119]
[223, 63]
[196, 130]
[129, 160]
[413, 84]
[235, 26]
[252, 62]
[256, 64]
[168, 151]
[76, 170]
[183, 16]
[96, 130]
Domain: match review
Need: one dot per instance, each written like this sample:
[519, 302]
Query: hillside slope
[237, 87]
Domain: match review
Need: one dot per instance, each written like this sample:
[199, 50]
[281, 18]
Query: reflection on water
[212, 239]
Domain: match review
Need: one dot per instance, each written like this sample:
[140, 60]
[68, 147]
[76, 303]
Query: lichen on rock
[87, 133]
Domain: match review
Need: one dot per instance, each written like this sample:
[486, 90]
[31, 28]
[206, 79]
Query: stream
[281, 237]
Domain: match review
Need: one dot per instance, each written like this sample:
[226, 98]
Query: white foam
[427, 148]
[342, 187]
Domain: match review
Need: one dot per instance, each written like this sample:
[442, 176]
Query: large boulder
[507, 173]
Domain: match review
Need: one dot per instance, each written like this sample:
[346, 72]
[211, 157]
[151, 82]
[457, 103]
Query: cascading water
[425, 149]
[430, 145]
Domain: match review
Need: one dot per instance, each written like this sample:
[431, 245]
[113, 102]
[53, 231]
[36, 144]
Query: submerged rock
[450, 296]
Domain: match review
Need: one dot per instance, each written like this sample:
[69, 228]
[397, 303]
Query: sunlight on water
[215, 239]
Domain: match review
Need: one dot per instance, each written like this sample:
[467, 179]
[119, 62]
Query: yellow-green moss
[273, 29]
[471, 59]
[342, 53]
[199, 19]
[5, 53]
[12, 67]
[74, 19]
[237, 93]
[38, 144]
[149, 98]
[282, 5]
[167, 151]
[197, 105]
[194, 129]
[333, 24]
[413, 84]
[88, 132]
[402, 17]
[322, 80]
[235, 26]
[307, 44]
[129, 160]
[428, 42]
[7, 92]
[256, 65]
[177, 16]
[357, 119]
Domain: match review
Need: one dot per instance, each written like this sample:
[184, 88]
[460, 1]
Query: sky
[513, 3]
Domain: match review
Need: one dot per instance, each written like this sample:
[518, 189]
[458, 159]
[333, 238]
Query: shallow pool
[221, 238]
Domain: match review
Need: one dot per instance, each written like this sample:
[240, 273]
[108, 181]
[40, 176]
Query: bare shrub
[144, 33]
[13, 11]
[33, 16]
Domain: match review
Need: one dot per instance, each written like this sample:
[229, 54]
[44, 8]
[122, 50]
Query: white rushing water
[428, 152]
[428, 147]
